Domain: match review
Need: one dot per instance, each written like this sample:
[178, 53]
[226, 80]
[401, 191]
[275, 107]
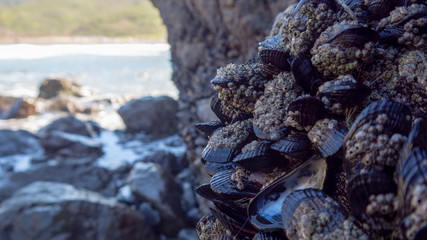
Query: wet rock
[47, 210]
[168, 161]
[12, 107]
[53, 87]
[70, 137]
[151, 115]
[18, 142]
[150, 183]
[79, 175]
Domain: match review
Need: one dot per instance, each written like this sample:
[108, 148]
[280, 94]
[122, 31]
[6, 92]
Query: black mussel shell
[348, 93]
[219, 155]
[417, 137]
[271, 52]
[259, 159]
[271, 69]
[212, 168]
[223, 82]
[218, 109]
[379, 9]
[305, 74]
[269, 136]
[312, 201]
[399, 117]
[264, 209]
[269, 236]
[328, 136]
[207, 128]
[353, 36]
[305, 111]
[360, 188]
[233, 218]
[222, 183]
[295, 146]
[206, 191]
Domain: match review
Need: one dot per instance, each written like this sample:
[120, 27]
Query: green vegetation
[112, 18]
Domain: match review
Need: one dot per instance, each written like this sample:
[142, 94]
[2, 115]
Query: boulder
[12, 107]
[53, 87]
[18, 142]
[79, 175]
[57, 211]
[150, 183]
[71, 137]
[151, 115]
[168, 161]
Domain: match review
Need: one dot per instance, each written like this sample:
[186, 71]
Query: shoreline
[43, 40]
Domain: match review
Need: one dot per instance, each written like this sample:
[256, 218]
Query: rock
[221, 31]
[57, 211]
[150, 183]
[12, 107]
[168, 161]
[151, 215]
[151, 115]
[188, 234]
[79, 175]
[18, 142]
[70, 137]
[53, 87]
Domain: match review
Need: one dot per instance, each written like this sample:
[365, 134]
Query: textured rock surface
[205, 35]
[50, 88]
[47, 210]
[17, 142]
[12, 107]
[150, 115]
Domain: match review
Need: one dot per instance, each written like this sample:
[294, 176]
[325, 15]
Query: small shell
[353, 36]
[224, 184]
[328, 136]
[258, 159]
[207, 128]
[304, 111]
[271, 51]
[305, 74]
[295, 147]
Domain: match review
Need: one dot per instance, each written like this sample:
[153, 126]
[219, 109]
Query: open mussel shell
[304, 112]
[271, 51]
[353, 36]
[264, 209]
[295, 147]
[371, 196]
[269, 236]
[305, 74]
[259, 159]
[311, 214]
[223, 183]
[207, 128]
[398, 117]
[328, 136]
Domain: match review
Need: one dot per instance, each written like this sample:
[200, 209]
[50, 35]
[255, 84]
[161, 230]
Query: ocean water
[107, 69]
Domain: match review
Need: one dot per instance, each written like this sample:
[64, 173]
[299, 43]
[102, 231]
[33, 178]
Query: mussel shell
[219, 155]
[218, 109]
[295, 203]
[264, 209]
[308, 110]
[305, 74]
[212, 168]
[269, 236]
[379, 9]
[416, 138]
[222, 183]
[399, 117]
[207, 128]
[348, 93]
[359, 189]
[257, 160]
[330, 3]
[329, 139]
[203, 221]
[206, 191]
[294, 146]
[353, 36]
[269, 136]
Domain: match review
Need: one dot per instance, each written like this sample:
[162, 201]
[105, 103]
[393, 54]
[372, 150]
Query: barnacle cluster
[325, 135]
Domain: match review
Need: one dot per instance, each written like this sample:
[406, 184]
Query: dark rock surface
[168, 161]
[57, 211]
[221, 32]
[150, 183]
[12, 107]
[151, 115]
[50, 88]
[17, 142]
[70, 137]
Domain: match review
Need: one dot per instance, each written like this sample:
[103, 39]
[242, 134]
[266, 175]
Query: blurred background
[98, 101]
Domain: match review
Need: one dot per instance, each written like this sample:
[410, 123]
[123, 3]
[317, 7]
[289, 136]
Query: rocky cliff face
[205, 35]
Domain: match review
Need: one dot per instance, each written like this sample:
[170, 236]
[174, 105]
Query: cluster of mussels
[324, 136]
